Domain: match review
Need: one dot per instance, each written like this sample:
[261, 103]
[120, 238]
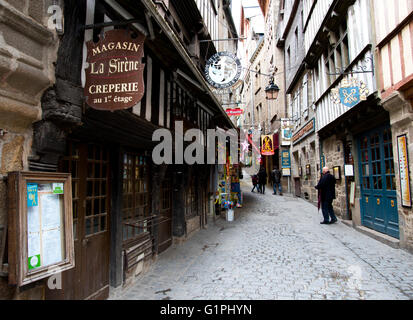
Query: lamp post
[272, 91]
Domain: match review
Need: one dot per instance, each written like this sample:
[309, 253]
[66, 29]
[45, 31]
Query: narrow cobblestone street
[276, 249]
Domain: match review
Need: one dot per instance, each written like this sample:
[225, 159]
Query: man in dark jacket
[327, 188]
[262, 179]
[276, 180]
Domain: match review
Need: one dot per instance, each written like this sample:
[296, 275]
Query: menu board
[404, 171]
[44, 225]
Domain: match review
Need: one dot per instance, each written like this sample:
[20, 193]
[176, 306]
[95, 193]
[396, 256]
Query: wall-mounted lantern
[272, 90]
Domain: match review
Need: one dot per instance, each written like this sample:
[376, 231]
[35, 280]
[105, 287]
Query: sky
[249, 12]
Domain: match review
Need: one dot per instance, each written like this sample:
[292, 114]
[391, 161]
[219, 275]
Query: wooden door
[378, 183]
[89, 166]
[165, 226]
[297, 187]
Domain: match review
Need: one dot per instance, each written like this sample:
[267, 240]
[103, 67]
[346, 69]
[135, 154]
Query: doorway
[378, 183]
[89, 166]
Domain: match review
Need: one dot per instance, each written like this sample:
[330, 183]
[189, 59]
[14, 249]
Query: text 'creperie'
[114, 88]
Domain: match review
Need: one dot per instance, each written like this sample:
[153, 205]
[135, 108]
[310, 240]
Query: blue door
[378, 184]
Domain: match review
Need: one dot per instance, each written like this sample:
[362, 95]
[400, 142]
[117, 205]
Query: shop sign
[286, 132]
[286, 172]
[114, 78]
[223, 70]
[304, 131]
[404, 171]
[350, 92]
[235, 112]
[267, 144]
[285, 159]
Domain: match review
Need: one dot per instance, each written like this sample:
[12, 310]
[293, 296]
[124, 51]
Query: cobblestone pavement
[277, 249]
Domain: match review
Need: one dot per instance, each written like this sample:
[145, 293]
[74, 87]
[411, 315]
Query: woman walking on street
[262, 179]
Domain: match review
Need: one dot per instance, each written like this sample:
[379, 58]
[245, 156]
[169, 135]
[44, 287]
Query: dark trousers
[262, 188]
[328, 211]
[255, 187]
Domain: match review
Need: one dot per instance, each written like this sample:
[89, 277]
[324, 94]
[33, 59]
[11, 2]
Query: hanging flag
[267, 145]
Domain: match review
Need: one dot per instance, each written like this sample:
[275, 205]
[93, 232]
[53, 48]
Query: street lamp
[272, 90]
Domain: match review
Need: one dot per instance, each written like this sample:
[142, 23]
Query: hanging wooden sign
[114, 78]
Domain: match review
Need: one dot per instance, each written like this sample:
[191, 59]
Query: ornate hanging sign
[223, 70]
[286, 132]
[114, 78]
[267, 144]
[350, 92]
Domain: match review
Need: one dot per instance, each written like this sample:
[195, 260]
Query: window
[336, 56]
[136, 195]
[288, 58]
[191, 209]
[296, 42]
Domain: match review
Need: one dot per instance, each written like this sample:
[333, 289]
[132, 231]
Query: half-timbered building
[126, 209]
[356, 139]
[394, 43]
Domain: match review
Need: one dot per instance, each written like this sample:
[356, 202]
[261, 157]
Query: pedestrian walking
[276, 181]
[255, 183]
[262, 179]
[327, 189]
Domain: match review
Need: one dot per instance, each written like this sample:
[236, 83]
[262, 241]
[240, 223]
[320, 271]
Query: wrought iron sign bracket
[359, 69]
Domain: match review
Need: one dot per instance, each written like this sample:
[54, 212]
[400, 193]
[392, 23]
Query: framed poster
[40, 226]
[402, 148]
[349, 170]
[337, 173]
[286, 172]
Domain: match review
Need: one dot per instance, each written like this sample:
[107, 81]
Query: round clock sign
[223, 70]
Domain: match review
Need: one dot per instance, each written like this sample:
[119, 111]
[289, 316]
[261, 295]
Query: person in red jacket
[327, 188]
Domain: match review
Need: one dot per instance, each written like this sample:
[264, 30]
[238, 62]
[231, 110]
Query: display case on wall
[40, 226]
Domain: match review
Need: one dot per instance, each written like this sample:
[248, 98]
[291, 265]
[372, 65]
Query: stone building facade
[264, 61]
[394, 32]
[126, 209]
[28, 52]
[300, 102]
[366, 46]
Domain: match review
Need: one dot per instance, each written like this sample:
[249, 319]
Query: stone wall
[401, 120]
[27, 53]
[303, 154]
[334, 156]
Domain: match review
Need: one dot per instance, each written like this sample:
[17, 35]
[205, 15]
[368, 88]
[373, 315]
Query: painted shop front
[115, 85]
